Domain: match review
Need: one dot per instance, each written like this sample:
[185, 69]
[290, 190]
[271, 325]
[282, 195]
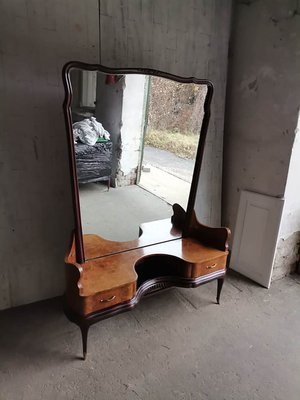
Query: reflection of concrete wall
[120, 109]
[109, 105]
[133, 118]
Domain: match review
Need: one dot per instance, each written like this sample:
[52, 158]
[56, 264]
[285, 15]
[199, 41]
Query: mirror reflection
[136, 138]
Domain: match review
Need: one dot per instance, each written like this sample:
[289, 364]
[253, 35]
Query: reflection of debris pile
[89, 131]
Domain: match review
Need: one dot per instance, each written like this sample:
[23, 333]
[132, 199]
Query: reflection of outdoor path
[169, 162]
[169, 177]
[166, 186]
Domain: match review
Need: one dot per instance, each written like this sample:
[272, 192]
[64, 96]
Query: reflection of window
[88, 89]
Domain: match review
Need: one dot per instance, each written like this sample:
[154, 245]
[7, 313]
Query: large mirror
[136, 144]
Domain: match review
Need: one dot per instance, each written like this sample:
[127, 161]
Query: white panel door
[255, 236]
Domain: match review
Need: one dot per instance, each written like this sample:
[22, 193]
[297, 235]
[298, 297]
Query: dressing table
[106, 277]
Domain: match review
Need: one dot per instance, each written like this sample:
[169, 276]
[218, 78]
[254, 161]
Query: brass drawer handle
[211, 266]
[107, 300]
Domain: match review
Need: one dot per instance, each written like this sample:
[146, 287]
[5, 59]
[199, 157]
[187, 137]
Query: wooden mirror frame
[186, 220]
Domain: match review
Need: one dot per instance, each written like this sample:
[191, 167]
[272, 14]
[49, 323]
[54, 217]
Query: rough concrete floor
[175, 345]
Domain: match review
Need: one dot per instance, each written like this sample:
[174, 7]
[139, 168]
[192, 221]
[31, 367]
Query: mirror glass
[135, 141]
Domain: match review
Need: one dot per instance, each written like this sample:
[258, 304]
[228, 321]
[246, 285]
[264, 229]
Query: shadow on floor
[173, 345]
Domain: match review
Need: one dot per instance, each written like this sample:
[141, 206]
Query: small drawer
[108, 298]
[208, 267]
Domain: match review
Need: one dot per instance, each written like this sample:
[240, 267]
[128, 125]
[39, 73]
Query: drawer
[210, 266]
[108, 298]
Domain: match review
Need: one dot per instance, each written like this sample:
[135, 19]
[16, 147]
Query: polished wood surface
[215, 237]
[107, 299]
[116, 270]
[209, 236]
[124, 271]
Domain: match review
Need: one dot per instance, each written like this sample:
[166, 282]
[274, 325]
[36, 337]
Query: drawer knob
[108, 300]
[211, 266]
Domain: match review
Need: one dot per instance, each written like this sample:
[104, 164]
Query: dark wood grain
[209, 236]
[125, 271]
[72, 164]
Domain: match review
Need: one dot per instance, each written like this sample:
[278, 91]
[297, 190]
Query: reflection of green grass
[183, 145]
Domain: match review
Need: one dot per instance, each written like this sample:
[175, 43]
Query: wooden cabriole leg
[84, 335]
[219, 289]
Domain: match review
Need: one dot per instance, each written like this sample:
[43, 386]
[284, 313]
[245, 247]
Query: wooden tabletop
[116, 270]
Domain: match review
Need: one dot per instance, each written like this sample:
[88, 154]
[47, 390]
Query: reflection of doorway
[173, 121]
[140, 122]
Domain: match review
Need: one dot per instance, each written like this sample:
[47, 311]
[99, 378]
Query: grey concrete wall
[262, 100]
[36, 38]
[188, 38]
[109, 112]
[288, 247]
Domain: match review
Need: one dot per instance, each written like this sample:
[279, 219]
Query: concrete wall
[188, 38]
[262, 100]
[36, 39]
[288, 248]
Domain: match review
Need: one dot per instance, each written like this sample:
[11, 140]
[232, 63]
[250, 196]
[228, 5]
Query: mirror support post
[198, 161]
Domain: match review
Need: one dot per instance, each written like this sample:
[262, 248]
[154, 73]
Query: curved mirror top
[135, 138]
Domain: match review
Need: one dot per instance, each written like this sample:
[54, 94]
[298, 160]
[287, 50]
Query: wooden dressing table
[105, 278]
